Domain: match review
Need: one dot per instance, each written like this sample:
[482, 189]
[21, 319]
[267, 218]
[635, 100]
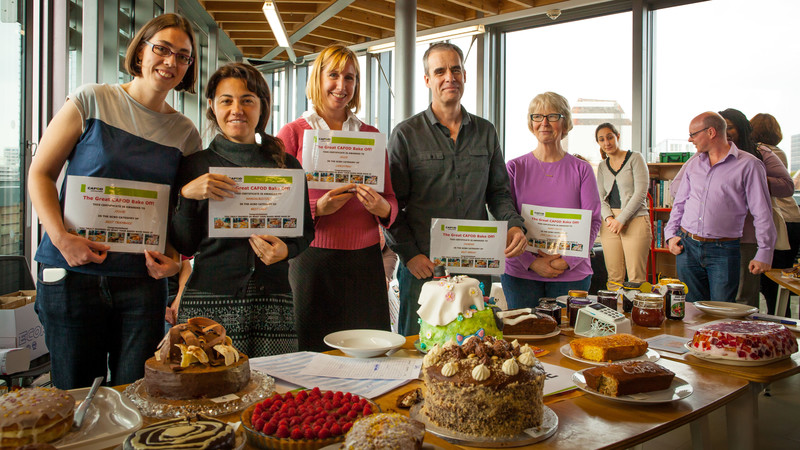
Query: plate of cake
[725, 309]
[633, 382]
[364, 343]
[525, 323]
[743, 343]
[601, 350]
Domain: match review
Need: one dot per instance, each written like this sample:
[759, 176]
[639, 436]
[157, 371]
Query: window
[124, 35]
[75, 15]
[726, 54]
[11, 134]
[588, 62]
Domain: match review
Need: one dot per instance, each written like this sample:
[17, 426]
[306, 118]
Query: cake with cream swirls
[196, 360]
[744, 340]
[198, 432]
[485, 388]
[453, 309]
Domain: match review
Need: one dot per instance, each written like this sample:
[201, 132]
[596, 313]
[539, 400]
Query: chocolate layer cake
[484, 387]
[525, 321]
[630, 377]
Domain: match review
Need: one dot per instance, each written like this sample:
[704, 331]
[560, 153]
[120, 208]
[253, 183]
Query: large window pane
[10, 136]
[726, 54]
[588, 62]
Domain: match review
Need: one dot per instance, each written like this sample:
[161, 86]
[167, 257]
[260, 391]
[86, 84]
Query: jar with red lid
[648, 310]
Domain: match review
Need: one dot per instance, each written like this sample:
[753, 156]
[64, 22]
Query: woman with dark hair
[339, 282]
[102, 310]
[622, 180]
[780, 184]
[243, 284]
[767, 133]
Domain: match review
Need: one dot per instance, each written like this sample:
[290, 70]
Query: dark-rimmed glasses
[550, 117]
[692, 135]
[166, 52]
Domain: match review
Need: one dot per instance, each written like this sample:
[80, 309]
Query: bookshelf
[661, 260]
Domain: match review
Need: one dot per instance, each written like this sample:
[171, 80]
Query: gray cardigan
[632, 181]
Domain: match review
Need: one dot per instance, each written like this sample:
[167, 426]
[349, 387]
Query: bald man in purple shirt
[720, 185]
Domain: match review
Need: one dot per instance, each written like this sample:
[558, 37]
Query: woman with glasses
[339, 282]
[622, 179]
[103, 310]
[780, 184]
[241, 283]
[550, 177]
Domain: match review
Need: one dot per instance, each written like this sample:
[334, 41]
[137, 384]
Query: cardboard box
[19, 324]
[14, 360]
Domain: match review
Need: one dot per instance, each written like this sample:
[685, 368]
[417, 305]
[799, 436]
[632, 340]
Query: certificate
[335, 158]
[128, 216]
[558, 230]
[469, 246]
[269, 201]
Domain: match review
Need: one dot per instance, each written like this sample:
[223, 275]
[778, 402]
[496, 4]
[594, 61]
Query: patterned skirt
[258, 324]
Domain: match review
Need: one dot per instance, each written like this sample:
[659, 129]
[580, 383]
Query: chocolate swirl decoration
[187, 433]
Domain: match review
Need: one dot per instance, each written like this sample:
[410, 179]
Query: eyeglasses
[166, 52]
[691, 135]
[550, 117]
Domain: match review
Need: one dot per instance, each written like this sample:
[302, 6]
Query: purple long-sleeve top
[712, 201]
[568, 183]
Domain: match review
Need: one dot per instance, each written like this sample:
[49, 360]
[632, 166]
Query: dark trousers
[781, 259]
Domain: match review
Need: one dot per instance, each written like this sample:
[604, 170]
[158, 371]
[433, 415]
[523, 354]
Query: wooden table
[786, 286]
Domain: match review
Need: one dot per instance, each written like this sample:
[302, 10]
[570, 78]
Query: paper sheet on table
[559, 379]
[363, 369]
[288, 367]
[665, 342]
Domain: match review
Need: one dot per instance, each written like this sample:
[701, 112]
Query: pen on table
[771, 319]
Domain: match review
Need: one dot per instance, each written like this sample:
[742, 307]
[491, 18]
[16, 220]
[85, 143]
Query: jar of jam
[575, 293]
[549, 307]
[675, 301]
[629, 290]
[608, 298]
[575, 304]
[648, 310]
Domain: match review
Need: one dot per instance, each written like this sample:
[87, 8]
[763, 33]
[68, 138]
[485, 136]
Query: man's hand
[614, 225]
[542, 265]
[758, 267]
[159, 265]
[515, 242]
[79, 250]
[334, 199]
[675, 246]
[420, 266]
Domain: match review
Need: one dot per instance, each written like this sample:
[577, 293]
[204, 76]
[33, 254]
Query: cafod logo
[94, 189]
[237, 179]
[449, 228]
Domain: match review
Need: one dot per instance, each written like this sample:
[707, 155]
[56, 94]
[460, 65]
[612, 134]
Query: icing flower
[449, 296]
[527, 358]
[449, 286]
[468, 313]
[480, 372]
[473, 307]
[428, 334]
[510, 367]
[449, 369]
[460, 317]
[473, 292]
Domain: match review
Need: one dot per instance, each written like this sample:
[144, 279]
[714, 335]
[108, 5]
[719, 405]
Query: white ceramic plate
[725, 309]
[109, 420]
[533, 337]
[651, 356]
[731, 361]
[679, 389]
[365, 343]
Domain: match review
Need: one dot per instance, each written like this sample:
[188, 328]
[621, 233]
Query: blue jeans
[709, 269]
[410, 287]
[525, 293]
[95, 323]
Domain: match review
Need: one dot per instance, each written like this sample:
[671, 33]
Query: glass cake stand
[529, 436]
[260, 387]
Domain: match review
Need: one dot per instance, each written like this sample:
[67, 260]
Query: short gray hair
[441, 46]
[555, 101]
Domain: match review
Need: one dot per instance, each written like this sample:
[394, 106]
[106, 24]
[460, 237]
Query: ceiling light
[433, 37]
[276, 24]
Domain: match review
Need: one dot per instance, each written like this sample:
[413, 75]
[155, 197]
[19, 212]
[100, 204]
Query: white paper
[336, 158]
[370, 369]
[564, 231]
[558, 379]
[469, 246]
[269, 201]
[128, 216]
[288, 367]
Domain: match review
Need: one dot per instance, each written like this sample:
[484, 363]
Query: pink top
[352, 227]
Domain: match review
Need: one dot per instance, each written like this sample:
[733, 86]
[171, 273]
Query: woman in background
[767, 133]
[243, 284]
[780, 185]
[339, 282]
[622, 180]
[549, 176]
[103, 311]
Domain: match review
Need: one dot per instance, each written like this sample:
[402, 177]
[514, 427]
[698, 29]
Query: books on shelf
[659, 190]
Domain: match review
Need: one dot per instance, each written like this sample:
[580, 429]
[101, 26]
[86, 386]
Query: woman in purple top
[549, 176]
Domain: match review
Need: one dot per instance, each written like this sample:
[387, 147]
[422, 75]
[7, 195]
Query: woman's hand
[373, 201]
[542, 265]
[159, 265]
[79, 250]
[269, 249]
[209, 185]
[171, 314]
[334, 199]
[614, 225]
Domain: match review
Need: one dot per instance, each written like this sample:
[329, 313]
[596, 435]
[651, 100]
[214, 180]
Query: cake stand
[260, 387]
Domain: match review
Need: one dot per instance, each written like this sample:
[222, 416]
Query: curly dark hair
[743, 128]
